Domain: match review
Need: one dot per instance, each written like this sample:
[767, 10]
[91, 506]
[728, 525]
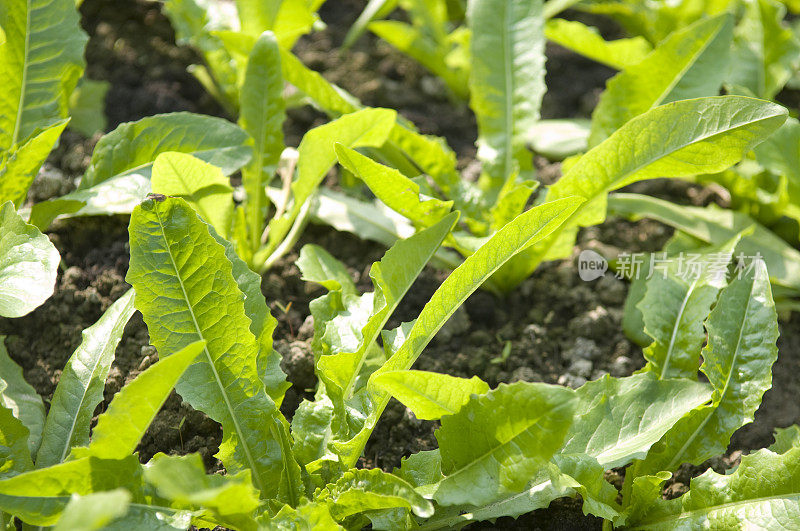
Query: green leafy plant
[527, 449]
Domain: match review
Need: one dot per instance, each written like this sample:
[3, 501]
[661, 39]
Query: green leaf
[81, 385]
[707, 136]
[87, 106]
[765, 51]
[786, 439]
[122, 425]
[352, 333]
[507, 80]
[586, 40]
[261, 115]
[262, 323]
[358, 491]
[39, 497]
[714, 224]
[762, 493]
[522, 232]
[21, 398]
[397, 191]
[374, 9]
[20, 164]
[619, 419]
[15, 453]
[675, 305]
[307, 517]
[118, 176]
[521, 427]
[413, 42]
[230, 499]
[28, 265]
[133, 146]
[742, 330]
[318, 265]
[316, 155]
[428, 394]
[40, 65]
[202, 185]
[94, 511]
[182, 277]
[330, 98]
[691, 63]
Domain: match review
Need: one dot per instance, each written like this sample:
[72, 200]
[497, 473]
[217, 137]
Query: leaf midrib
[678, 321]
[724, 391]
[24, 81]
[243, 441]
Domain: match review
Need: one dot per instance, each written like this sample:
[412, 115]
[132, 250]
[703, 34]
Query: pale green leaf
[691, 63]
[120, 427]
[93, 511]
[358, 491]
[15, 454]
[231, 499]
[40, 64]
[618, 420]
[762, 493]
[707, 135]
[397, 191]
[28, 265]
[182, 277]
[21, 398]
[318, 265]
[742, 330]
[521, 427]
[713, 224]
[307, 517]
[81, 385]
[261, 115]
[766, 51]
[87, 106]
[202, 185]
[506, 81]
[430, 395]
[786, 439]
[38, 497]
[675, 305]
[586, 40]
[316, 155]
[133, 146]
[20, 164]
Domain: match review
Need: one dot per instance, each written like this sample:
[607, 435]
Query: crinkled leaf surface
[81, 385]
[15, 454]
[28, 264]
[186, 291]
[690, 63]
[619, 419]
[40, 64]
[520, 428]
[762, 493]
[742, 331]
[674, 307]
[358, 491]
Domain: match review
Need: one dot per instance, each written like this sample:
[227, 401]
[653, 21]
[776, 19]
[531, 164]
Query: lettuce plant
[502, 452]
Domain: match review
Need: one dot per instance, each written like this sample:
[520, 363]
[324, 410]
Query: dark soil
[559, 328]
